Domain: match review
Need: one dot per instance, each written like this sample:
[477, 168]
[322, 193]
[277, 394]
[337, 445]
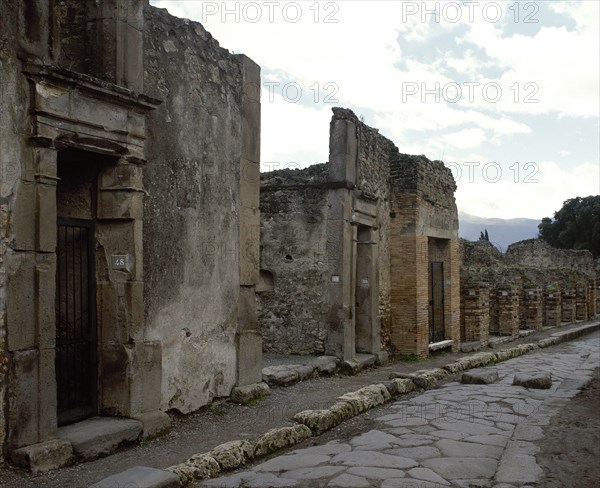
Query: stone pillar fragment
[475, 312]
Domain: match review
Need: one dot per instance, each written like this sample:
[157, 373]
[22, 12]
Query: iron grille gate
[437, 331]
[75, 321]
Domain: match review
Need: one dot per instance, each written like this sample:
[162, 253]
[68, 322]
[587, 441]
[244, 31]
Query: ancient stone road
[460, 435]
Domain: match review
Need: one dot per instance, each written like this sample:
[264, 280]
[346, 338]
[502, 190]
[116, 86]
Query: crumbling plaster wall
[294, 248]
[192, 210]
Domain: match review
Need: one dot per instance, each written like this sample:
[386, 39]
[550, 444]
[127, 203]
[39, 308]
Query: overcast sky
[505, 93]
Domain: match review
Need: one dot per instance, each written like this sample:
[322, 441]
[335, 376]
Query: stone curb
[311, 423]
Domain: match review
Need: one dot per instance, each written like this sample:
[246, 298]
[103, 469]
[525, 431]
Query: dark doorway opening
[437, 331]
[76, 369]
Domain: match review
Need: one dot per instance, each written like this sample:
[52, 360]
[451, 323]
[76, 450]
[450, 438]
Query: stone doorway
[76, 359]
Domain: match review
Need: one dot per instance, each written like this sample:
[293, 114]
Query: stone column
[592, 310]
[475, 316]
[249, 337]
[552, 308]
[532, 309]
[568, 305]
[581, 296]
[505, 311]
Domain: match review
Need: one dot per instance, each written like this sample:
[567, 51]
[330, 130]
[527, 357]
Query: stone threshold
[88, 440]
[311, 423]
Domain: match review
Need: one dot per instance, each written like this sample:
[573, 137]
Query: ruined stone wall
[537, 253]
[192, 209]
[545, 286]
[13, 104]
[294, 249]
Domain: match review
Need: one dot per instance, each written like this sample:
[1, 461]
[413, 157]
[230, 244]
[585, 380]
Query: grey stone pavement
[458, 435]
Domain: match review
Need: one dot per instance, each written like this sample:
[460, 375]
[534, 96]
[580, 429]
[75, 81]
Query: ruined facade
[347, 247]
[531, 286]
[129, 156]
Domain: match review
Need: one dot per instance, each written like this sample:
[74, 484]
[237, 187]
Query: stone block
[479, 377]
[154, 424]
[318, 421]
[403, 386]
[115, 204]
[46, 218]
[247, 316]
[542, 381]
[367, 397]
[20, 301]
[115, 379]
[113, 329]
[47, 391]
[276, 439]
[44, 456]
[23, 390]
[150, 373]
[233, 454]
[140, 477]
[342, 152]
[23, 219]
[249, 393]
[249, 183]
[45, 289]
[326, 364]
[280, 375]
[249, 357]
[99, 436]
[198, 467]
[251, 109]
[249, 246]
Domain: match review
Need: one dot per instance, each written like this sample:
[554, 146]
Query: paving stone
[233, 454]
[474, 484]
[427, 475]
[541, 381]
[450, 447]
[331, 448]
[525, 432]
[472, 428]
[414, 440]
[313, 473]
[276, 439]
[450, 434]
[408, 483]
[491, 440]
[349, 481]
[373, 458]
[479, 377]
[270, 481]
[519, 468]
[292, 461]
[376, 473]
[140, 477]
[373, 440]
[417, 453]
[451, 468]
[99, 436]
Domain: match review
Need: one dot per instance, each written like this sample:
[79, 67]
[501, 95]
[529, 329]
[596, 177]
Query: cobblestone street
[460, 435]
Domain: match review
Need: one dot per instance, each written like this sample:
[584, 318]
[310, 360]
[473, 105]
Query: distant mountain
[502, 232]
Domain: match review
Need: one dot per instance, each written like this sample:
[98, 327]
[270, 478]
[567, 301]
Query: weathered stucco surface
[191, 230]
